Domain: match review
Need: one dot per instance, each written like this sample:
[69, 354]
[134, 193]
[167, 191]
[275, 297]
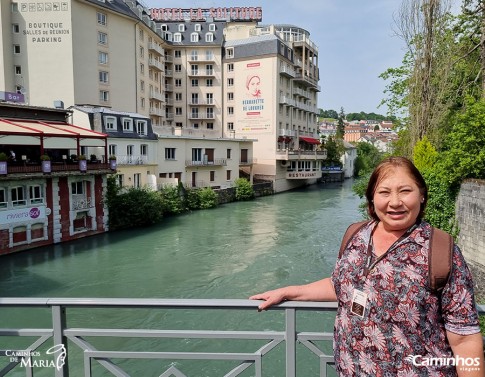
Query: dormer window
[209, 37]
[194, 37]
[181, 27]
[177, 37]
[212, 27]
[197, 27]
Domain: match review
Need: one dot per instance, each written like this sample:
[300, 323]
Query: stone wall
[470, 214]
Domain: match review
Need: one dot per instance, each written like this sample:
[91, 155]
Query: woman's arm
[468, 347]
[321, 290]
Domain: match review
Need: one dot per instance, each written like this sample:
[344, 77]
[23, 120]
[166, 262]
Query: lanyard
[369, 265]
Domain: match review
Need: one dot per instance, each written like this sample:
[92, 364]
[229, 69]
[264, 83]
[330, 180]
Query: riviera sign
[22, 215]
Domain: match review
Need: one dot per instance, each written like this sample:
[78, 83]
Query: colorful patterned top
[404, 323]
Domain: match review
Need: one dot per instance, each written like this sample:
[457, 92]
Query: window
[194, 37]
[230, 96]
[137, 180]
[77, 188]
[181, 27]
[194, 68]
[102, 57]
[230, 126]
[212, 175]
[127, 124]
[142, 52]
[141, 33]
[230, 110]
[18, 70]
[142, 85]
[197, 27]
[177, 37]
[142, 102]
[15, 7]
[209, 82]
[142, 68]
[178, 68]
[35, 194]
[195, 99]
[209, 37]
[129, 150]
[195, 82]
[169, 153]
[195, 125]
[178, 54]
[112, 149]
[228, 175]
[209, 55]
[103, 76]
[230, 82]
[210, 113]
[102, 18]
[210, 125]
[212, 27]
[18, 196]
[195, 113]
[103, 95]
[120, 180]
[15, 28]
[230, 67]
[196, 154]
[228, 154]
[178, 111]
[143, 150]
[16, 49]
[230, 52]
[141, 127]
[209, 68]
[178, 82]
[102, 38]
[178, 97]
[3, 198]
[209, 98]
[194, 55]
[110, 123]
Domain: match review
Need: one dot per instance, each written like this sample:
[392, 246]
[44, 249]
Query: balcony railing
[131, 160]
[79, 343]
[215, 162]
[56, 167]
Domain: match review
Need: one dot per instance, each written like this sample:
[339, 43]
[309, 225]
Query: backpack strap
[349, 233]
[440, 256]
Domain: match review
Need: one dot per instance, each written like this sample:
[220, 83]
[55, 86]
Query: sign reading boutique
[22, 215]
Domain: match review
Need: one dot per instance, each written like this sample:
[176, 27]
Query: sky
[355, 38]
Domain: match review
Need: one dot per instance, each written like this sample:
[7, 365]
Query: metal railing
[60, 333]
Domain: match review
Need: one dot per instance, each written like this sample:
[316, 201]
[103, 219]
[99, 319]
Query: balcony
[168, 58]
[201, 58]
[285, 100]
[168, 87]
[215, 162]
[202, 73]
[131, 160]
[157, 95]
[156, 64]
[287, 71]
[168, 73]
[156, 112]
[202, 102]
[295, 154]
[57, 168]
[201, 116]
[156, 47]
[246, 162]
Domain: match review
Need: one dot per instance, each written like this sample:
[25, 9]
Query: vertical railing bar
[87, 365]
[258, 365]
[290, 334]
[58, 327]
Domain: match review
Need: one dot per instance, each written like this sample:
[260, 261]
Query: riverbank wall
[228, 195]
[470, 215]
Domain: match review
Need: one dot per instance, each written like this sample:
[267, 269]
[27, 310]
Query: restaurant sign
[303, 175]
[202, 14]
[23, 215]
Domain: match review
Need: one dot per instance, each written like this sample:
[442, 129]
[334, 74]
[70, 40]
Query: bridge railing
[61, 336]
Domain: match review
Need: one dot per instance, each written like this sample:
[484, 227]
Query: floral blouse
[403, 326]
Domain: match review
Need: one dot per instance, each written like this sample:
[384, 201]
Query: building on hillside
[382, 141]
[47, 197]
[348, 159]
[354, 132]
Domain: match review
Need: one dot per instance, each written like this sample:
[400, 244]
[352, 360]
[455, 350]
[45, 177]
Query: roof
[256, 39]
[104, 110]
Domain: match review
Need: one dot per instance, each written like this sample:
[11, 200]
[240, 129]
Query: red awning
[309, 140]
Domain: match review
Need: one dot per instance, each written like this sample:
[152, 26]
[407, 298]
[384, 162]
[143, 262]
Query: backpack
[440, 254]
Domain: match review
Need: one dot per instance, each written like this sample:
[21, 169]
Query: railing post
[290, 336]
[58, 326]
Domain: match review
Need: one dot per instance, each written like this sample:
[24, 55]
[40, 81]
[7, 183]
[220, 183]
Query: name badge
[359, 303]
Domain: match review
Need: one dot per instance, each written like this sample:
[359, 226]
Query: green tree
[335, 149]
[172, 200]
[207, 198]
[244, 189]
[424, 155]
[368, 157]
[341, 125]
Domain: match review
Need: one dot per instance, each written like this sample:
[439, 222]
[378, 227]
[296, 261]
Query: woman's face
[397, 200]
[254, 85]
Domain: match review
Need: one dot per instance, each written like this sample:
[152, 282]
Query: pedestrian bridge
[56, 345]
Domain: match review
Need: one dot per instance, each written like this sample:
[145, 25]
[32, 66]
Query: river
[233, 251]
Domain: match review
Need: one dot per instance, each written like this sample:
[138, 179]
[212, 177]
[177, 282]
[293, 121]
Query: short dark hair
[382, 170]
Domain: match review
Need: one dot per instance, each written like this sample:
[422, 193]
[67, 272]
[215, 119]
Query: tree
[341, 124]
[424, 155]
[244, 189]
[335, 149]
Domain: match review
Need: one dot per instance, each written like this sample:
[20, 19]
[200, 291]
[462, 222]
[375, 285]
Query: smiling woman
[387, 311]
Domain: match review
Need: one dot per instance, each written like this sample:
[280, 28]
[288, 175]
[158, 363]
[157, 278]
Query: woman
[389, 321]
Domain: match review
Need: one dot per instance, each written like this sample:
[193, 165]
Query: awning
[48, 134]
[309, 140]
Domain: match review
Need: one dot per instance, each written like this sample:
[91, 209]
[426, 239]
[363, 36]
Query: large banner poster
[254, 97]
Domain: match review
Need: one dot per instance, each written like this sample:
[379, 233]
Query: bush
[207, 198]
[244, 189]
[172, 200]
[192, 199]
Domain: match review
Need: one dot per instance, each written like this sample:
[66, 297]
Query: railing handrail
[60, 333]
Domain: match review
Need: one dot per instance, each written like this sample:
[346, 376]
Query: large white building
[223, 94]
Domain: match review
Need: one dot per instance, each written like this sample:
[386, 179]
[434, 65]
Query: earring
[422, 200]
